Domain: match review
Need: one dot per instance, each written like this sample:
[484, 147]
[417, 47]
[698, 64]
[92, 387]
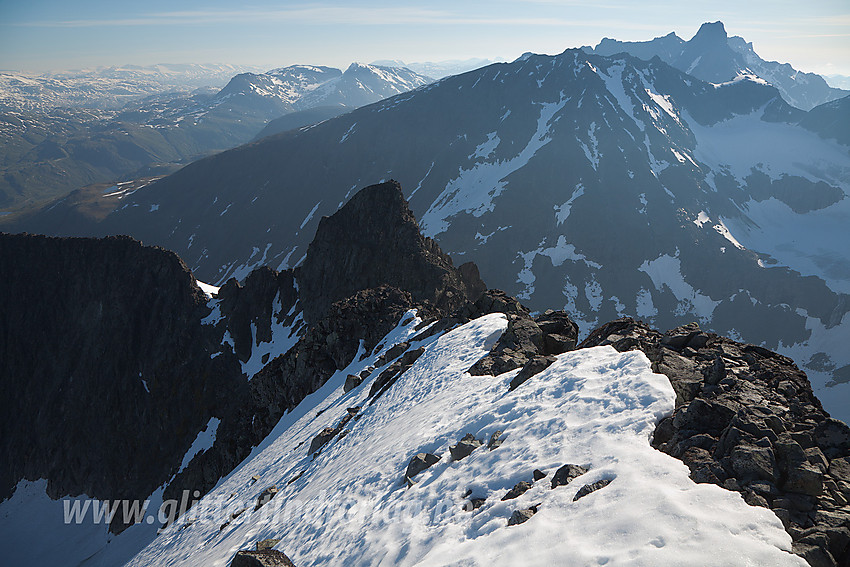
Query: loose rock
[565, 474]
[419, 463]
[522, 516]
[464, 447]
[518, 490]
[593, 487]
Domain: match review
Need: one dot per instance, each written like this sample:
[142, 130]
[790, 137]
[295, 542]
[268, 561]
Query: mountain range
[345, 388]
[438, 69]
[106, 88]
[51, 150]
[604, 185]
[713, 56]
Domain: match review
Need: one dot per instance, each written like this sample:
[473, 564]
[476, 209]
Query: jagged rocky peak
[375, 240]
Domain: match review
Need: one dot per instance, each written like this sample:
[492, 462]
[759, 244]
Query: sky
[43, 35]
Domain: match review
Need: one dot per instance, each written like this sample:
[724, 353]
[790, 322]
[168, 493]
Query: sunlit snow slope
[348, 505]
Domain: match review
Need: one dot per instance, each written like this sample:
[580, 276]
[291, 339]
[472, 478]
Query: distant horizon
[52, 36]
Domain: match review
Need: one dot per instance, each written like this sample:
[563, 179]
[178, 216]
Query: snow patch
[203, 441]
[666, 271]
[562, 212]
[309, 215]
[474, 189]
[209, 290]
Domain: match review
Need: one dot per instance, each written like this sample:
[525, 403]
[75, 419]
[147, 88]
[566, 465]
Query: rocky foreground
[115, 324]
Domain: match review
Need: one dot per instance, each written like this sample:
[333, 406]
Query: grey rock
[840, 468]
[496, 440]
[814, 555]
[267, 544]
[716, 372]
[750, 462]
[593, 487]
[265, 496]
[321, 439]
[564, 475]
[518, 490]
[351, 382]
[522, 516]
[805, 479]
[261, 558]
[464, 447]
[833, 437]
[419, 463]
[534, 366]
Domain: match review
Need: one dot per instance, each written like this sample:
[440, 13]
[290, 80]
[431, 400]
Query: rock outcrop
[746, 419]
[261, 558]
[374, 240]
[527, 343]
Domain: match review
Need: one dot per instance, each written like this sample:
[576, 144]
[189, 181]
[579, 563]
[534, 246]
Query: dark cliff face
[106, 376]
[375, 240]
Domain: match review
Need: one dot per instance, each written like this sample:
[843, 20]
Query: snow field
[593, 407]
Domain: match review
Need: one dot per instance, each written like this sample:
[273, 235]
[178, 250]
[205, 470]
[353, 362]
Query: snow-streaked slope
[560, 177]
[593, 407]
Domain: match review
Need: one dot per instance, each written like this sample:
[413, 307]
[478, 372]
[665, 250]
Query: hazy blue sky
[63, 34]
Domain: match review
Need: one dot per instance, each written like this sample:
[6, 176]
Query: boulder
[419, 463]
[593, 487]
[267, 544]
[751, 462]
[261, 558]
[265, 496]
[534, 366]
[464, 447]
[321, 439]
[351, 382]
[833, 437]
[564, 475]
[522, 516]
[474, 504]
[496, 440]
[518, 490]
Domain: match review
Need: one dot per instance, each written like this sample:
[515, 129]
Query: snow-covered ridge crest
[595, 407]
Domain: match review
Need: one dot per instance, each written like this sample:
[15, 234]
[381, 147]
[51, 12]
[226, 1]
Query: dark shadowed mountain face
[604, 185]
[107, 376]
[300, 119]
[713, 56]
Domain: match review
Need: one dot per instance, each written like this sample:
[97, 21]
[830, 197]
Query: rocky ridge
[350, 298]
[746, 419]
